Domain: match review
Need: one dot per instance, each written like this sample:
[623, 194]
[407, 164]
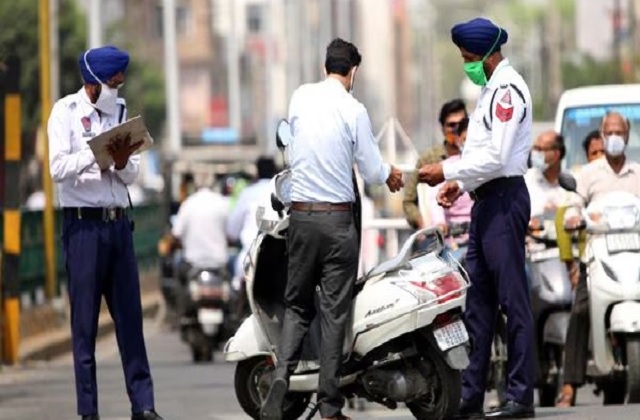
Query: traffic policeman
[492, 166]
[96, 234]
[331, 131]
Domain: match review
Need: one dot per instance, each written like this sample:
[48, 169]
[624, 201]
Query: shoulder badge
[504, 109]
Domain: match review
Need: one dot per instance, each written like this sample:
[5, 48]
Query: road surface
[45, 391]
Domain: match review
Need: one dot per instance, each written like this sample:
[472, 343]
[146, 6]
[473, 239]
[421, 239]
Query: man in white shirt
[96, 232]
[331, 131]
[491, 169]
[200, 226]
[542, 179]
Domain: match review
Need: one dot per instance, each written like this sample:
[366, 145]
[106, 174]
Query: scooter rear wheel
[252, 381]
[444, 400]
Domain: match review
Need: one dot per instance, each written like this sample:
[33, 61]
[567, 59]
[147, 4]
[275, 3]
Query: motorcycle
[551, 297]
[405, 341]
[612, 256]
[206, 312]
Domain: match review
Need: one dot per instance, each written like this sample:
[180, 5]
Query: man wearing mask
[613, 173]
[491, 169]
[331, 131]
[96, 230]
[451, 114]
[542, 179]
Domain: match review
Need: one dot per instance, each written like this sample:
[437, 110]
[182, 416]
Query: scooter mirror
[567, 181]
[283, 135]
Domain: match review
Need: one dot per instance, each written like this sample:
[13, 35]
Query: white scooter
[612, 257]
[405, 342]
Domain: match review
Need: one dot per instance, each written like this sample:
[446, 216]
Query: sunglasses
[452, 124]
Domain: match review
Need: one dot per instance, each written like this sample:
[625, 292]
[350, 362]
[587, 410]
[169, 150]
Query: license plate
[451, 335]
[210, 316]
[623, 242]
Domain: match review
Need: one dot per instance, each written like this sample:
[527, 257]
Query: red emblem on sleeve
[504, 114]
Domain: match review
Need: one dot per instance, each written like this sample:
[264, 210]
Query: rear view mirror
[567, 181]
[283, 134]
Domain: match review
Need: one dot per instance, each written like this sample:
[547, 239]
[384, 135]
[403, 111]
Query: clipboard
[135, 127]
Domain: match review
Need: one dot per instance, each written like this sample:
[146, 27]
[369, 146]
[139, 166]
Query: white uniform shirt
[331, 130]
[73, 166]
[502, 150]
[200, 225]
[544, 195]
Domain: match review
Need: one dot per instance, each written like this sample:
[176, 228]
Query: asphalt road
[184, 391]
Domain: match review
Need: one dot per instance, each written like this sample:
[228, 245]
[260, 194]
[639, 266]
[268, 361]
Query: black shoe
[511, 410]
[146, 415]
[272, 406]
[468, 411]
[91, 417]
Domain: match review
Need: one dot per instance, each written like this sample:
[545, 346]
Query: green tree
[20, 36]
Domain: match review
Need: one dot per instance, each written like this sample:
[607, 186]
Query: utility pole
[270, 146]
[47, 183]
[174, 143]
[94, 24]
[553, 36]
[233, 73]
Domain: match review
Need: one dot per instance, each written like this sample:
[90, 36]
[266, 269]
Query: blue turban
[478, 36]
[98, 65]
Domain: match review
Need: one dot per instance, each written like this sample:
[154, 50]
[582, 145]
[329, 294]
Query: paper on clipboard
[135, 127]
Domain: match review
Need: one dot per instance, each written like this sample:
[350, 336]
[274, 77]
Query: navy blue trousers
[496, 266]
[100, 261]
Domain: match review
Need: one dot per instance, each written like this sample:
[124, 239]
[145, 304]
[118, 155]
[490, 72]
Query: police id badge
[86, 124]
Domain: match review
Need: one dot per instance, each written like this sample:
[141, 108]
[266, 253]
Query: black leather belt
[105, 214]
[491, 187]
[319, 206]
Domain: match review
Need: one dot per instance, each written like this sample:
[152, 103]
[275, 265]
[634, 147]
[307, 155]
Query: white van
[580, 111]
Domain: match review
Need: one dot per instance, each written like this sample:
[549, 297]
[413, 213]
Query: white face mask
[614, 145]
[107, 101]
[538, 160]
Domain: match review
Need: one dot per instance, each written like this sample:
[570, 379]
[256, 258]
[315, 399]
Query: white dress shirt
[544, 195]
[331, 130]
[502, 150]
[200, 225]
[73, 166]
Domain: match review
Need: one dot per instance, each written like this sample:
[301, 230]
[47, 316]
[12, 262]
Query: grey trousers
[323, 250]
[577, 345]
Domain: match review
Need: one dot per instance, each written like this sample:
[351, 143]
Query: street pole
[94, 24]
[174, 143]
[233, 72]
[47, 183]
[555, 54]
[270, 146]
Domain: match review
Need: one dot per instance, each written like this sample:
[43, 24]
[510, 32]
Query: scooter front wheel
[633, 369]
[252, 381]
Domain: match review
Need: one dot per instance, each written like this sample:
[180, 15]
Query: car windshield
[579, 121]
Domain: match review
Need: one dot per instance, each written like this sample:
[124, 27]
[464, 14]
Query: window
[184, 24]
[254, 17]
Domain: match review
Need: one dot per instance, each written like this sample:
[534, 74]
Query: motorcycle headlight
[194, 290]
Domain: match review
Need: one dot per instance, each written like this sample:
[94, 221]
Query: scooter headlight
[194, 290]
[617, 217]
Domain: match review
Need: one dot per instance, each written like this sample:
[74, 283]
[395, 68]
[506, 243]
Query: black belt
[320, 206]
[105, 214]
[491, 187]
